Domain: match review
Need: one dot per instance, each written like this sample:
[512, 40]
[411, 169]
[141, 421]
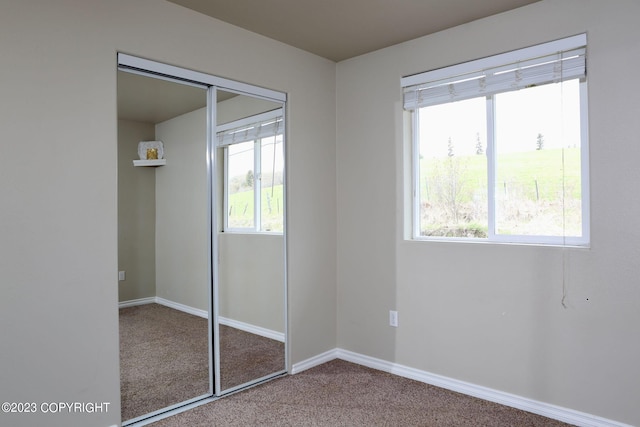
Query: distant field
[521, 169]
[241, 208]
[529, 187]
[534, 190]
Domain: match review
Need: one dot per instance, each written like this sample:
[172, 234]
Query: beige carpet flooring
[340, 393]
[164, 358]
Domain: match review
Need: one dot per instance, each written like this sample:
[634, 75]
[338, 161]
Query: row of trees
[535, 196]
[480, 147]
[241, 183]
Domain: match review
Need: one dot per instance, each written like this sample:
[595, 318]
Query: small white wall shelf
[152, 163]
[151, 153]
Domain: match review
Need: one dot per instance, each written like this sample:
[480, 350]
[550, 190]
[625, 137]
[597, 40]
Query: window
[500, 147]
[253, 173]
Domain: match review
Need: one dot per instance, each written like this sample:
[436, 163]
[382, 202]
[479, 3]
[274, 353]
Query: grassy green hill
[536, 192]
[550, 169]
[241, 208]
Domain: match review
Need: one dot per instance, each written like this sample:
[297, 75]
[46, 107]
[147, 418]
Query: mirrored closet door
[201, 237]
[250, 232]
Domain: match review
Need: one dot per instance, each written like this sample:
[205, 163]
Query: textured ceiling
[341, 29]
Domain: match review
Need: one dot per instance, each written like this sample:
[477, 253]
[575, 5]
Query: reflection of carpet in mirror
[245, 357]
[164, 358]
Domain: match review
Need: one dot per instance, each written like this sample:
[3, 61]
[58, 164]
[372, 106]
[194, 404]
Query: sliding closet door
[164, 248]
[202, 226]
[250, 203]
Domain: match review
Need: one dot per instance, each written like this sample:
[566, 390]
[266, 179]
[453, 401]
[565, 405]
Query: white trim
[144, 73]
[171, 304]
[134, 302]
[496, 60]
[181, 307]
[247, 327]
[415, 171]
[252, 383]
[536, 407]
[212, 242]
[133, 64]
[169, 411]
[252, 329]
[325, 357]
[584, 164]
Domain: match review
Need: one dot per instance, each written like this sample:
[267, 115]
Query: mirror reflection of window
[254, 173]
[250, 276]
[240, 185]
[272, 179]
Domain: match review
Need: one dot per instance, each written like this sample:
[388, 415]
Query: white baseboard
[167, 303]
[314, 361]
[134, 302]
[253, 329]
[545, 409]
[181, 307]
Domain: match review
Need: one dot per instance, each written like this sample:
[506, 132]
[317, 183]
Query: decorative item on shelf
[151, 153]
[155, 148]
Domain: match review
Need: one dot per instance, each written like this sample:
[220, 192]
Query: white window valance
[537, 65]
[251, 128]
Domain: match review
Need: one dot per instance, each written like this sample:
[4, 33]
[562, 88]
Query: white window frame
[469, 69]
[224, 142]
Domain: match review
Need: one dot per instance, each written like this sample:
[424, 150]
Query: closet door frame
[159, 70]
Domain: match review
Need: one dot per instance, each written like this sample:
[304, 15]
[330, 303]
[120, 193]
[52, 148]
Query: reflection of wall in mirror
[177, 222]
[239, 107]
[163, 212]
[251, 275]
[251, 279]
[181, 212]
[136, 214]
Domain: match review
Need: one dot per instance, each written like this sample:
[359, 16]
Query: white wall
[251, 279]
[58, 186]
[485, 313]
[497, 322]
[182, 242]
[136, 214]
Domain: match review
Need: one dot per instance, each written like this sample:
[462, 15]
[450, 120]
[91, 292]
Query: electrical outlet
[393, 318]
[121, 276]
